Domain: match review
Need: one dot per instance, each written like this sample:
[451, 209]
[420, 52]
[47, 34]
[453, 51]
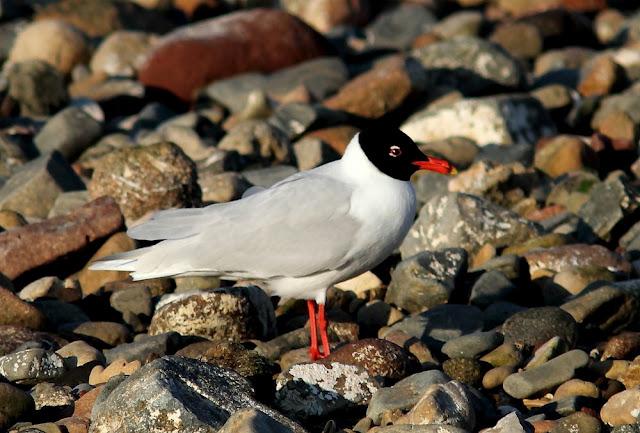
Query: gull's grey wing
[298, 227]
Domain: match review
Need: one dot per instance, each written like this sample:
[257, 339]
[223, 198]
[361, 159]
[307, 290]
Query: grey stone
[31, 366]
[404, 394]
[71, 130]
[321, 77]
[609, 308]
[412, 428]
[221, 187]
[609, 203]
[144, 347]
[312, 152]
[626, 101]
[59, 313]
[458, 220]
[535, 326]
[471, 65]
[449, 403]
[548, 375]
[502, 120]
[52, 401]
[35, 186]
[257, 140]
[472, 345]
[311, 390]
[187, 139]
[441, 323]
[492, 286]
[233, 313]
[429, 185]
[38, 87]
[462, 23]
[234, 92]
[426, 279]
[253, 421]
[496, 313]
[136, 306]
[399, 26]
[68, 201]
[176, 394]
[511, 423]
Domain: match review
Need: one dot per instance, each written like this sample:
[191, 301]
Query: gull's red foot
[314, 351]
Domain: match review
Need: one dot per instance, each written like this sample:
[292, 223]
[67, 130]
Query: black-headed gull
[299, 237]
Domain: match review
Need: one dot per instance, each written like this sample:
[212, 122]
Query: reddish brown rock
[74, 424]
[13, 336]
[563, 257]
[16, 312]
[618, 125]
[263, 40]
[85, 403]
[380, 358]
[563, 154]
[26, 248]
[622, 346]
[93, 281]
[600, 76]
[381, 90]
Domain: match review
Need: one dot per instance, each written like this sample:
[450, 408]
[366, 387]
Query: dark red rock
[560, 258]
[263, 40]
[380, 358]
[13, 336]
[28, 247]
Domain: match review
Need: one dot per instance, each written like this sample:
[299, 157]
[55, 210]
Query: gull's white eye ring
[395, 151]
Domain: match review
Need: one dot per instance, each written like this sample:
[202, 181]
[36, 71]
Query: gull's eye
[395, 151]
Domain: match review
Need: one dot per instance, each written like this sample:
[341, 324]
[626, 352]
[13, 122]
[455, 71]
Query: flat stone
[404, 394]
[500, 120]
[67, 202]
[507, 354]
[458, 220]
[144, 348]
[111, 333]
[587, 308]
[441, 323]
[548, 375]
[52, 401]
[121, 53]
[397, 27]
[472, 345]
[471, 65]
[426, 279]
[511, 423]
[316, 390]
[257, 140]
[31, 366]
[254, 421]
[175, 393]
[564, 257]
[34, 245]
[492, 286]
[71, 130]
[236, 313]
[33, 188]
[448, 403]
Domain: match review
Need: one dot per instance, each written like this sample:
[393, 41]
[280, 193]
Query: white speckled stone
[316, 390]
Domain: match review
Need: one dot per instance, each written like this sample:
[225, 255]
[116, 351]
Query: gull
[298, 237]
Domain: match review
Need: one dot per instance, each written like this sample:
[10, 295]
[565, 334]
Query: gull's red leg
[314, 353]
[323, 331]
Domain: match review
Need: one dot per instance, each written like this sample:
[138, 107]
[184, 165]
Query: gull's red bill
[436, 164]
